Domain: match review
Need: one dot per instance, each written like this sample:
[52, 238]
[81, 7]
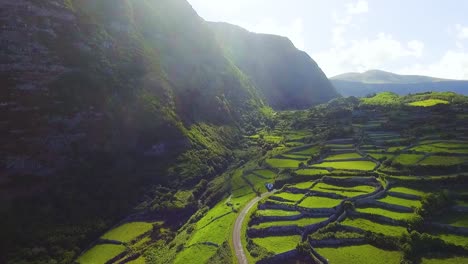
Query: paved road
[236, 235]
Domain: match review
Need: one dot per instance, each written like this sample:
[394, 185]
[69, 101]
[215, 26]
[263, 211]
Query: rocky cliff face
[286, 77]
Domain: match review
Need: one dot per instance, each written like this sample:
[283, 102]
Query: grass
[128, 232]
[340, 146]
[407, 191]
[301, 222]
[140, 260]
[312, 172]
[348, 165]
[400, 201]
[202, 252]
[453, 239]
[319, 202]
[374, 227]
[289, 196]
[303, 185]
[378, 156]
[274, 212]
[408, 159]
[278, 244]
[283, 163]
[345, 191]
[387, 213]
[308, 151]
[100, 254]
[428, 102]
[443, 160]
[293, 156]
[394, 149]
[363, 254]
[344, 156]
[266, 173]
[454, 219]
[453, 260]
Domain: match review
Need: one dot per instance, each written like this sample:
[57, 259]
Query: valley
[376, 182]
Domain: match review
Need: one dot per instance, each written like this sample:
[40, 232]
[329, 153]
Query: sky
[423, 37]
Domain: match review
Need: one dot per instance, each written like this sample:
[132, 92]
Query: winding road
[236, 235]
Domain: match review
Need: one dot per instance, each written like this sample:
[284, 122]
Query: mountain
[375, 81]
[286, 77]
[102, 100]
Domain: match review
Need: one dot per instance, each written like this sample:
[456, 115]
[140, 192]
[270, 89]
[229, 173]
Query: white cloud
[452, 65]
[294, 30]
[462, 32]
[359, 7]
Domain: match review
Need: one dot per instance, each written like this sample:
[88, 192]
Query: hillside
[375, 81]
[286, 77]
[110, 104]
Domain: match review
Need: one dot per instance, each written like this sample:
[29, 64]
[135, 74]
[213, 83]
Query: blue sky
[408, 37]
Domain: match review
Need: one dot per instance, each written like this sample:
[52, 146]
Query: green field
[400, 201]
[453, 239]
[274, 212]
[266, 173]
[308, 151]
[289, 196]
[378, 156]
[140, 260]
[344, 156]
[454, 219]
[387, 213]
[278, 244]
[348, 165]
[345, 191]
[394, 149]
[300, 222]
[203, 253]
[375, 227]
[319, 202]
[283, 163]
[364, 254]
[407, 191]
[340, 146]
[428, 102]
[100, 254]
[408, 159]
[303, 185]
[443, 160]
[128, 232]
[294, 156]
[312, 172]
[454, 260]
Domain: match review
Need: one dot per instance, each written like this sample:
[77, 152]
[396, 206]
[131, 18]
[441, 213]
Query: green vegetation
[374, 227]
[290, 196]
[271, 212]
[312, 172]
[382, 99]
[428, 102]
[283, 163]
[128, 232]
[345, 191]
[266, 173]
[387, 213]
[364, 254]
[319, 202]
[100, 254]
[454, 219]
[453, 260]
[407, 191]
[443, 160]
[348, 165]
[344, 156]
[408, 159]
[278, 244]
[309, 151]
[400, 201]
[300, 222]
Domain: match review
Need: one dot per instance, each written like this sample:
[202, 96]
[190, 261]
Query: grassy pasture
[293, 156]
[274, 212]
[378, 156]
[394, 149]
[348, 165]
[303, 185]
[266, 173]
[363, 254]
[408, 159]
[300, 222]
[345, 191]
[283, 163]
[289, 196]
[319, 202]
[374, 227]
[453, 239]
[407, 191]
[203, 253]
[278, 244]
[428, 102]
[344, 156]
[340, 146]
[309, 151]
[312, 172]
[100, 254]
[387, 213]
[453, 260]
[400, 201]
[128, 232]
[443, 160]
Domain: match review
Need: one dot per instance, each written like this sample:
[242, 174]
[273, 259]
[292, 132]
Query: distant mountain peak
[378, 76]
